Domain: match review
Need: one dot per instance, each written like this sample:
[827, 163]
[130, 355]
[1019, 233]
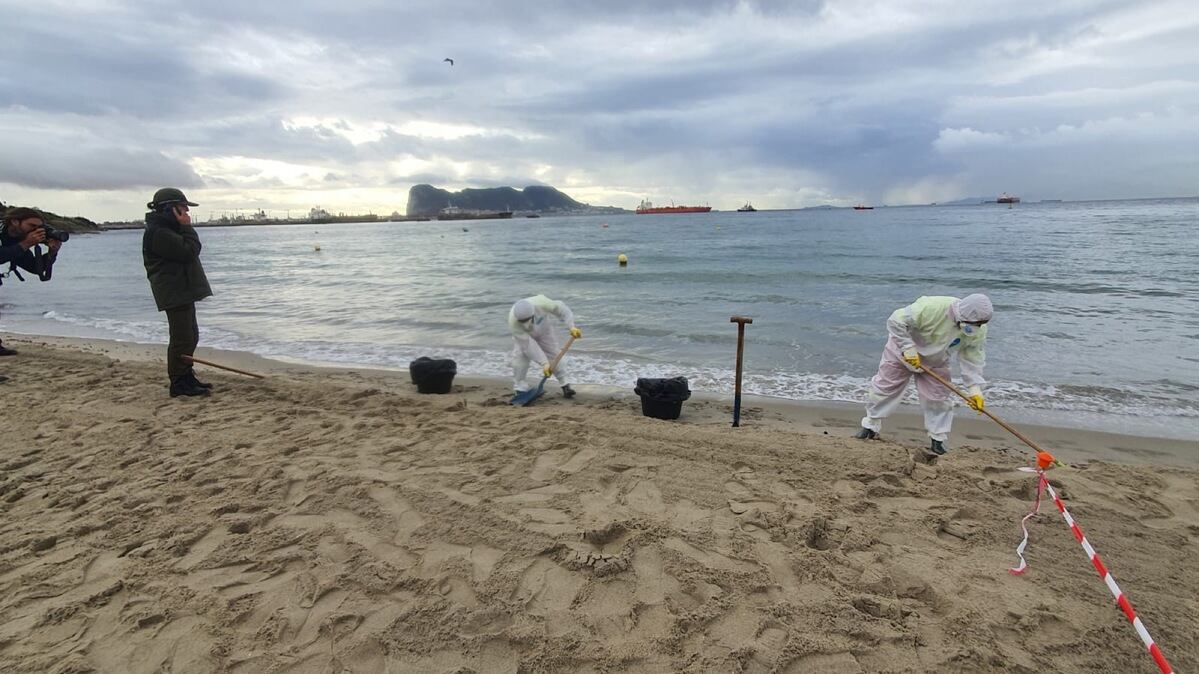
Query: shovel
[525, 397]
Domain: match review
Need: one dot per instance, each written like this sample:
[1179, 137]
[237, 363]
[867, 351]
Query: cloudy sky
[347, 104]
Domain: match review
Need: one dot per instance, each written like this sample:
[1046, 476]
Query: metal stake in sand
[740, 321]
[193, 359]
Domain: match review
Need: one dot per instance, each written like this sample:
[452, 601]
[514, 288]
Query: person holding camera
[24, 229]
[171, 253]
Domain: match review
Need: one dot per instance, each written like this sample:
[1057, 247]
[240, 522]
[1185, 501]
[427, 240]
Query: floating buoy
[623, 259]
[317, 248]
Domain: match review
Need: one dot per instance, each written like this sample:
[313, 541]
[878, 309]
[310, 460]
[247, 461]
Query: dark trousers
[185, 335]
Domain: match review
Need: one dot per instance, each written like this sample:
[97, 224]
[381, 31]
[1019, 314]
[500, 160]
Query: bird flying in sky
[449, 61]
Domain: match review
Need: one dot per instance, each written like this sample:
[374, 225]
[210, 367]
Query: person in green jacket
[171, 252]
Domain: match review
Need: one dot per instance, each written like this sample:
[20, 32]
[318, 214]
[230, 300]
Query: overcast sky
[348, 104]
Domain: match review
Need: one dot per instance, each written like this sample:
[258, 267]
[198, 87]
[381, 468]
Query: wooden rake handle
[1001, 422]
[193, 359]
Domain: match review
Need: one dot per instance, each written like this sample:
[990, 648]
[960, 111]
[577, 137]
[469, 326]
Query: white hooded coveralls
[929, 326]
[534, 341]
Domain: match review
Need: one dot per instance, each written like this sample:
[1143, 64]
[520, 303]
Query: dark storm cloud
[91, 169]
[855, 98]
[72, 62]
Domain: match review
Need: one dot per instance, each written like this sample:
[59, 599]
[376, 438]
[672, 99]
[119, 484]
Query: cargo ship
[455, 213]
[863, 207]
[647, 208]
[1006, 198]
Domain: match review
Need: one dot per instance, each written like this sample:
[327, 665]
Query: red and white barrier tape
[1121, 600]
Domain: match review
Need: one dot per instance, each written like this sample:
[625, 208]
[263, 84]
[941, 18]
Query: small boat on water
[863, 207]
[1006, 198]
[647, 208]
[747, 208]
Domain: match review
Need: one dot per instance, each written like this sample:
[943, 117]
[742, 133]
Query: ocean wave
[1161, 398]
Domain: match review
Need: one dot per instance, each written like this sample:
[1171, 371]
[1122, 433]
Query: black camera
[56, 234]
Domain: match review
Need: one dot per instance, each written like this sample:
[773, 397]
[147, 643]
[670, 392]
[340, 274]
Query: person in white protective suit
[535, 341]
[925, 335]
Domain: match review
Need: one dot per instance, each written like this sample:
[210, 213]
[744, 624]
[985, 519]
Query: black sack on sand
[672, 390]
[662, 398]
[433, 375]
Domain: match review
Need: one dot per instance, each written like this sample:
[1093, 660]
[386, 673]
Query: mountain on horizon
[427, 200]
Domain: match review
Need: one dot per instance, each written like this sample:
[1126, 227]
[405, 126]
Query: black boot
[567, 391]
[182, 386]
[191, 375]
[866, 434]
[937, 447]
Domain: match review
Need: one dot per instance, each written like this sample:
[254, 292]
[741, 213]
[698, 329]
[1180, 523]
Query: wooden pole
[741, 322]
[994, 418]
[193, 359]
[554, 363]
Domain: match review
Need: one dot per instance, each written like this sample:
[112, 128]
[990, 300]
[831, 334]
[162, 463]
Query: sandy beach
[333, 520]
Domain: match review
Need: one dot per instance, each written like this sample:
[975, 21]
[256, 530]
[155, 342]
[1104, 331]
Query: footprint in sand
[407, 520]
[547, 589]
[709, 559]
[486, 622]
[579, 461]
[546, 465]
[743, 628]
[481, 558]
[843, 662]
[742, 507]
[645, 497]
[961, 526]
[738, 490]
[202, 548]
[548, 521]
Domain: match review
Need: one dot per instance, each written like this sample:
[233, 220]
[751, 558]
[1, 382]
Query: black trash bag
[673, 389]
[433, 375]
[417, 364]
[662, 398]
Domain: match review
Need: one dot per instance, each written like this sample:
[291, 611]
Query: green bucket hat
[169, 195]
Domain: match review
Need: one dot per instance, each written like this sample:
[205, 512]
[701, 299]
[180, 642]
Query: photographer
[171, 252]
[23, 230]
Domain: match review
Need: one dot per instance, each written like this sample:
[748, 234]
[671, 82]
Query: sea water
[1096, 303]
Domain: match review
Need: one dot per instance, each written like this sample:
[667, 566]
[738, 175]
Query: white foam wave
[623, 372]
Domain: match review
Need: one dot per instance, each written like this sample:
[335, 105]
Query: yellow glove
[912, 358]
[547, 371]
[576, 333]
[976, 398]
